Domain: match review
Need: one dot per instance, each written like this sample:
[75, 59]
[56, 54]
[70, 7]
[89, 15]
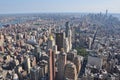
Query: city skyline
[52, 6]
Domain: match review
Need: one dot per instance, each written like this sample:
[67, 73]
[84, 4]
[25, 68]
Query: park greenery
[82, 52]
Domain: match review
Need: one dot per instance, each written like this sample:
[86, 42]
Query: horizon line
[12, 13]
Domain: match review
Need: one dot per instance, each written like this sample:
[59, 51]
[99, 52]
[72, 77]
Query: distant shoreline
[64, 13]
[56, 13]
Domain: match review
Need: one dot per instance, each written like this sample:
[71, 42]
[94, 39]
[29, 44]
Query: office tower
[59, 40]
[106, 12]
[51, 65]
[55, 49]
[33, 60]
[66, 45]
[77, 63]
[71, 55]
[37, 52]
[90, 42]
[1, 39]
[67, 29]
[27, 64]
[43, 69]
[70, 72]
[34, 73]
[51, 42]
[70, 39]
[1, 43]
[68, 34]
[61, 65]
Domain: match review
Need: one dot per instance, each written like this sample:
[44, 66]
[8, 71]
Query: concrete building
[1, 43]
[37, 52]
[61, 65]
[68, 34]
[67, 29]
[70, 72]
[77, 63]
[70, 39]
[66, 45]
[34, 73]
[59, 40]
[51, 42]
[27, 64]
[51, 65]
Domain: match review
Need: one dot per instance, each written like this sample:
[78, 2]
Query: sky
[51, 6]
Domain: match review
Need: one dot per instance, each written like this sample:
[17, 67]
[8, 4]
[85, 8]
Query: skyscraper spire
[106, 12]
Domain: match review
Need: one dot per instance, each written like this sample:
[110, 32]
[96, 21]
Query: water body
[116, 15]
[21, 18]
[15, 18]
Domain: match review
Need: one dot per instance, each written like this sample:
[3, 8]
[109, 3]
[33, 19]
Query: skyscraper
[51, 65]
[37, 52]
[68, 34]
[70, 39]
[61, 65]
[67, 29]
[106, 12]
[77, 63]
[66, 45]
[1, 43]
[51, 42]
[59, 40]
[70, 71]
[28, 65]
[34, 73]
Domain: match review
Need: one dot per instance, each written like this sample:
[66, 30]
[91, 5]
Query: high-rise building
[43, 70]
[77, 63]
[67, 29]
[33, 60]
[68, 34]
[70, 39]
[59, 40]
[51, 65]
[1, 43]
[37, 52]
[70, 72]
[51, 42]
[55, 49]
[28, 65]
[34, 73]
[66, 45]
[61, 65]
[106, 12]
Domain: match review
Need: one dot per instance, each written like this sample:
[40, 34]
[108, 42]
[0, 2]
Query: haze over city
[52, 6]
[59, 40]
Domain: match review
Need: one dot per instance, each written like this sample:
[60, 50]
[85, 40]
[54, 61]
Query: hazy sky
[33, 6]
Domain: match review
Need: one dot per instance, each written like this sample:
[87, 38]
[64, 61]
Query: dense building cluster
[33, 54]
[48, 47]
